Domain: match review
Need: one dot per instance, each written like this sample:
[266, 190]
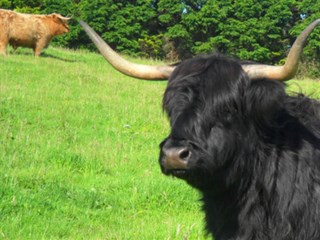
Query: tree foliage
[258, 30]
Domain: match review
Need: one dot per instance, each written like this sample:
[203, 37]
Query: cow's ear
[264, 101]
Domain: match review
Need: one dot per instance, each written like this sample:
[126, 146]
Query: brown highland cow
[30, 30]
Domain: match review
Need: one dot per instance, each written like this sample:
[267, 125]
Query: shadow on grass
[42, 55]
[48, 55]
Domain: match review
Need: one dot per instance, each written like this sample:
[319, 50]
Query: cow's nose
[176, 158]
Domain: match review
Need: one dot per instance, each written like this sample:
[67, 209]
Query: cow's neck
[221, 213]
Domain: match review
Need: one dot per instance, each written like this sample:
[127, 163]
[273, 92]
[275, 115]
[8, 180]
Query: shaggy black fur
[255, 151]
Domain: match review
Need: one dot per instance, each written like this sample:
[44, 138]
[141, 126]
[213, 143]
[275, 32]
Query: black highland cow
[252, 151]
[249, 148]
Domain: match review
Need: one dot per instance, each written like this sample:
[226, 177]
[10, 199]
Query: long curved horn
[147, 72]
[254, 71]
[289, 69]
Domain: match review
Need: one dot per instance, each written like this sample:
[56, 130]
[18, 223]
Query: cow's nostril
[184, 154]
[175, 158]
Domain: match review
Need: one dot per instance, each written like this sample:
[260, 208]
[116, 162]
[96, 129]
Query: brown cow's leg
[37, 51]
[41, 44]
[3, 46]
[14, 47]
[38, 48]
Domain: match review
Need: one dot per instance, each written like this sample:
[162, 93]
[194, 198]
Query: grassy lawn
[79, 153]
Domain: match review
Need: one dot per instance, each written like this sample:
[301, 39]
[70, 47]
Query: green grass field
[79, 153]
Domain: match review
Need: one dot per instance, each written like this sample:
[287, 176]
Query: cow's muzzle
[174, 160]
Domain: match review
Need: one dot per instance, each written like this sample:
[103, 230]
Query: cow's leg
[3, 45]
[41, 44]
[37, 51]
[14, 47]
